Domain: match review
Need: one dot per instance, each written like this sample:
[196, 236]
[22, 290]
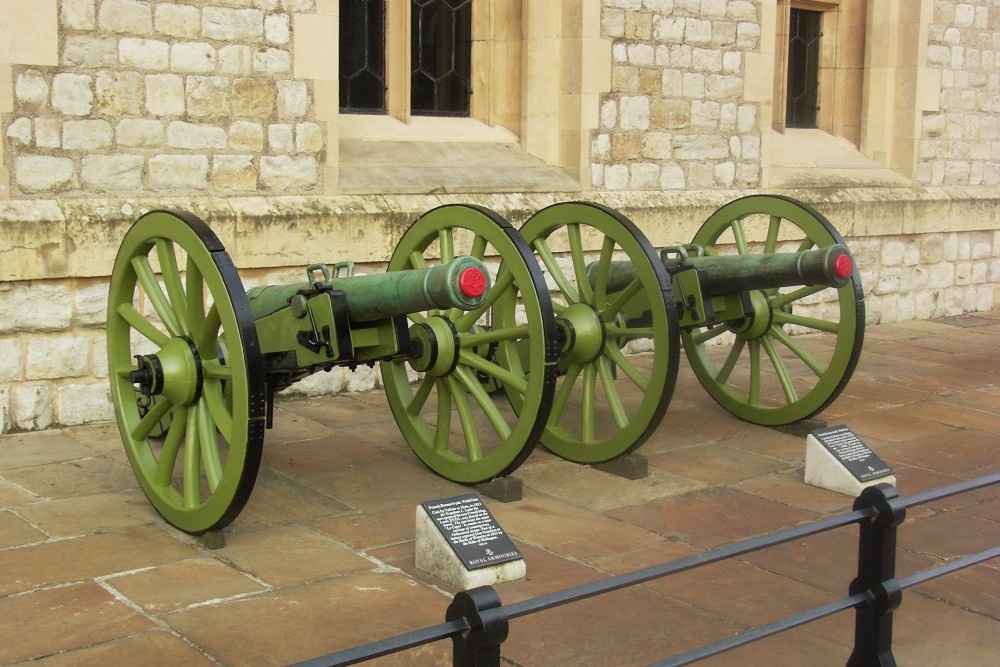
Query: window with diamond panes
[441, 57]
[802, 102]
[362, 56]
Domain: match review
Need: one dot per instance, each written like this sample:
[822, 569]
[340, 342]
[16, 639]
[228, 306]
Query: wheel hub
[582, 331]
[175, 372]
[758, 322]
[437, 340]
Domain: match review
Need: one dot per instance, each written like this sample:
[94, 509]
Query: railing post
[877, 573]
[479, 646]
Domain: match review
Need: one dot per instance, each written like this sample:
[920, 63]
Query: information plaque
[471, 530]
[852, 453]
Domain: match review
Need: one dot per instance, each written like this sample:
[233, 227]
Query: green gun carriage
[489, 339]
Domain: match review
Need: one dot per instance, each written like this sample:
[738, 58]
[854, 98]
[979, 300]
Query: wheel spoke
[146, 328]
[579, 268]
[587, 400]
[709, 333]
[612, 309]
[215, 369]
[722, 377]
[145, 426]
[781, 300]
[516, 382]
[739, 236]
[420, 397]
[417, 260]
[565, 391]
[633, 373]
[603, 267]
[471, 340]
[171, 446]
[172, 281]
[809, 360]
[753, 398]
[473, 444]
[208, 436]
[773, 227]
[779, 368]
[218, 410]
[442, 434]
[808, 322]
[611, 393]
[192, 461]
[489, 408]
[195, 299]
[446, 244]
[151, 287]
[548, 259]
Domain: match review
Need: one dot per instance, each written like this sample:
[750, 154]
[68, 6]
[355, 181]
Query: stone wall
[961, 143]
[193, 97]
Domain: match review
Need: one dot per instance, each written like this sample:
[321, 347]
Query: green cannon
[766, 301]
[195, 360]
[489, 339]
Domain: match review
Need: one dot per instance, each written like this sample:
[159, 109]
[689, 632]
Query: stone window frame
[558, 41]
[878, 107]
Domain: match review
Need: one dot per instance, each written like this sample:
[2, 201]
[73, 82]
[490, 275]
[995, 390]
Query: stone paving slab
[322, 558]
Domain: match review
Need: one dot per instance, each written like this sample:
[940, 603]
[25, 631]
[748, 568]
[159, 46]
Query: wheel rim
[209, 402]
[759, 372]
[607, 402]
[449, 417]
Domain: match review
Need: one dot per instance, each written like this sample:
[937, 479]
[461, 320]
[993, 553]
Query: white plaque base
[825, 471]
[435, 556]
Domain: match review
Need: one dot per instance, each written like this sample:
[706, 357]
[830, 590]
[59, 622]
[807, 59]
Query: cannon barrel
[831, 266]
[461, 283]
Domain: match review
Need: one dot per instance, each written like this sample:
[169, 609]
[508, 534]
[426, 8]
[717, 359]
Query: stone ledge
[50, 239]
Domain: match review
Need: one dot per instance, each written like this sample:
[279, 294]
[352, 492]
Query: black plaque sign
[852, 453]
[471, 531]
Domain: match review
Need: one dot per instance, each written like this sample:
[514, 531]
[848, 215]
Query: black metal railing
[477, 622]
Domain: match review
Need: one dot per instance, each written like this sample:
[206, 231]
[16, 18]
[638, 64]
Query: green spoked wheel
[186, 372]
[452, 416]
[617, 326]
[794, 354]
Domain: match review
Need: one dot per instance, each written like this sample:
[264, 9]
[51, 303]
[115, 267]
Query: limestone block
[246, 136]
[235, 59]
[72, 94]
[79, 14]
[119, 93]
[232, 25]
[20, 131]
[272, 61]
[700, 147]
[317, 384]
[56, 357]
[112, 173]
[234, 172]
[293, 99]
[178, 172]
[83, 404]
[31, 90]
[644, 176]
[99, 355]
[277, 28]
[125, 16]
[192, 57]
[208, 96]
[672, 177]
[41, 173]
[89, 51]
[147, 54]
[634, 113]
[32, 406]
[308, 138]
[697, 31]
[10, 360]
[279, 138]
[284, 172]
[164, 94]
[195, 136]
[693, 85]
[253, 98]
[90, 304]
[87, 135]
[177, 20]
[140, 133]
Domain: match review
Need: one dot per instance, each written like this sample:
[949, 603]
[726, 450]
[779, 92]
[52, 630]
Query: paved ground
[322, 558]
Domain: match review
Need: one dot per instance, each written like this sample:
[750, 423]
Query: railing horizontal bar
[715, 555]
[385, 647]
[765, 631]
[948, 568]
[951, 490]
